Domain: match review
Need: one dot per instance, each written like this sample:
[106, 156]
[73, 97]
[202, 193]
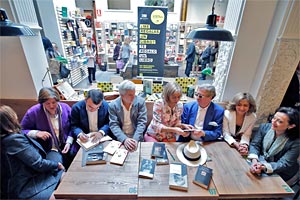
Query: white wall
[22, 61]
[198, 10]
[131, 16]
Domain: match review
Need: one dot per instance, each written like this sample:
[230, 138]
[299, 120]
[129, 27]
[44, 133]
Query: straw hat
[191, 154]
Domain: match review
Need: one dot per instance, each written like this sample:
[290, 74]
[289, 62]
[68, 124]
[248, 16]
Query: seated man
[90, 116]
[128, 116]
[204, 115]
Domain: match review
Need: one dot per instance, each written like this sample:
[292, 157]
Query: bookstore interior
[79, 20]
[156, 169]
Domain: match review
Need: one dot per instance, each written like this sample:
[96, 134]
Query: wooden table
[158, 187]
[102, 181]
[233, 179]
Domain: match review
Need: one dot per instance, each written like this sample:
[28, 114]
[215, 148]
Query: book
[112, 147]
[203, 176]
[96, 158]
[89, 144]
[158, 150]
[164, 160]
[119, 157]
[178, 178]
[96, 149]
[147, 168]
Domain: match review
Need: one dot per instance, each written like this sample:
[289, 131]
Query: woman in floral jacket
[166, 123]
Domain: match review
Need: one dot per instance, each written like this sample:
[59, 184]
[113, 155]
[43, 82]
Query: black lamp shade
[210, 31]
[8, 28]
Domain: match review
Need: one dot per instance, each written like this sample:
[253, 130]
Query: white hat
[191, 154]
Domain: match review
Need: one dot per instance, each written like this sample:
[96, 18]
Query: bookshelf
[72, 35]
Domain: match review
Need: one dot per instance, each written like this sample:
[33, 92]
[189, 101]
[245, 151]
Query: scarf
[271, 148]
[56, 141]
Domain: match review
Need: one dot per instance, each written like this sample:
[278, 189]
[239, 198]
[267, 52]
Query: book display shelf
[106, 32]
[172, 38]
[73, 45]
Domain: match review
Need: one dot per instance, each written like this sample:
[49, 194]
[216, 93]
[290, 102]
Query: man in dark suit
[190, 57]
[204, 115]
[90, 116]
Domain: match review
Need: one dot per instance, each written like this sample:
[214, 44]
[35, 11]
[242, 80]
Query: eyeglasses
[199, 95]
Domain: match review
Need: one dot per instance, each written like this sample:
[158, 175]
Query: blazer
[214, 113]
[284, 163]
[36, 119]
[24, 170]
[138, 116]
[229, 126]
[80, 120]
[190, 53]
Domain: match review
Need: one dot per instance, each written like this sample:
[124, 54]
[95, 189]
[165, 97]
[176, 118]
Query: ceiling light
[8, 28]
[210, 31]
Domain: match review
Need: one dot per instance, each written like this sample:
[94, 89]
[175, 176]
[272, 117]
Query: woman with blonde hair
[166, 125]
[27, 171]
[238, 122]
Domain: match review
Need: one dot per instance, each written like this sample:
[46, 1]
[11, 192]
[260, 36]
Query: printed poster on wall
[152, 23]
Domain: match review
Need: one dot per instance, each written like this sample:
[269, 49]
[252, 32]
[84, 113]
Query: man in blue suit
[204, 115]
[90, 116]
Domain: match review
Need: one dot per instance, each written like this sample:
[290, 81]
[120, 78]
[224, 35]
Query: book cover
[96, 149]
[164, 160]
[119, 157]
[158, 150]
[88, 145]
[178, 178]
[203, 176]
[147, 168]
[112, 147]
[96, 158]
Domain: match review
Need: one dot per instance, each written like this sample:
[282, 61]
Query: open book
[89, 144]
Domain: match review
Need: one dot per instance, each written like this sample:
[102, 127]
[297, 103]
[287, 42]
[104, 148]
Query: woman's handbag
[120, 64]
[64, 71]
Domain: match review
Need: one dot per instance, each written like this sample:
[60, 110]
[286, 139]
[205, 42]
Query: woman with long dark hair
[27, 171]
[275, 147]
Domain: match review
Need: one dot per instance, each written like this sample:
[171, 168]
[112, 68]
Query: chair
[137, 81]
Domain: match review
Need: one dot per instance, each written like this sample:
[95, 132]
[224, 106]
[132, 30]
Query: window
[118, 4]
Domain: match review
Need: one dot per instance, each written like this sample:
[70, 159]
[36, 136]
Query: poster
[152, 23]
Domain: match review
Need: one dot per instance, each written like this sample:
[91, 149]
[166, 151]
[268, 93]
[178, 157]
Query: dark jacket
[24, 170]
[284, 163]
[80, 120]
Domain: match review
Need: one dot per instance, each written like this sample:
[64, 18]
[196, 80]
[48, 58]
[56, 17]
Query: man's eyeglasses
[199, 95]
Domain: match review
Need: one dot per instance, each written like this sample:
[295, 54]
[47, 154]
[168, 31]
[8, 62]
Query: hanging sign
[152, 23]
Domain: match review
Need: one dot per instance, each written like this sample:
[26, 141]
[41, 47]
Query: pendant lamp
[210, 31]
[8, 28]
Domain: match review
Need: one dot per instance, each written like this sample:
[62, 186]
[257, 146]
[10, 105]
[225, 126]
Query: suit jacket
[190, 53]
[36, 119]
[284, 163]
[24, 170]
[214, 113]
[80, 120]
[229, 126]
[138, 116]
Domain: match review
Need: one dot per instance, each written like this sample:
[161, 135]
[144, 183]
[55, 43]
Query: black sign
[152, 23]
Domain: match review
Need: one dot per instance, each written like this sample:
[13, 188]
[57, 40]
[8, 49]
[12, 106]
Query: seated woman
[276, 146]
[239, 119]
[27, 171]
[166, 125]
[49, 123]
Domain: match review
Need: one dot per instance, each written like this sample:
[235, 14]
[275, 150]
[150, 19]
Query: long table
[158, 187]
[231, 178]
[101, 181]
